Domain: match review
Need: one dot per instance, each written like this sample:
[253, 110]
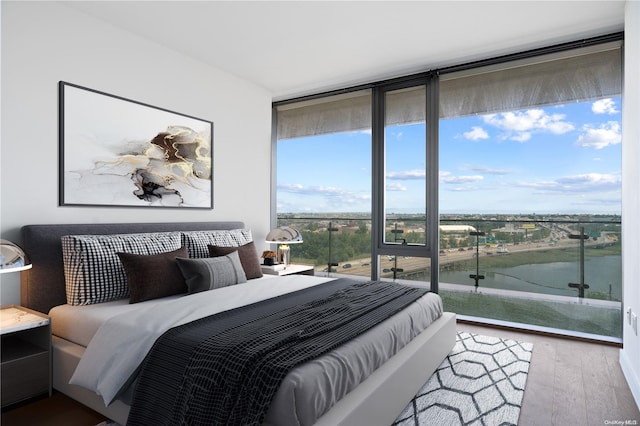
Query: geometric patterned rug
[481, 382]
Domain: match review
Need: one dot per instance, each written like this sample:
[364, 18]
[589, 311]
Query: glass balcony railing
[555, 273]
[561, 274]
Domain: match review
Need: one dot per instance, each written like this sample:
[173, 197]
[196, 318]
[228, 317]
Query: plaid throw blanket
[231, 375]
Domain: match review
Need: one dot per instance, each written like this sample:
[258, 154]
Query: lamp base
[284, 255]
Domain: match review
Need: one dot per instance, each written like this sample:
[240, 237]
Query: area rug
[481, 382]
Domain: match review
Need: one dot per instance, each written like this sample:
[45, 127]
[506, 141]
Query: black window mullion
[377, 179]
[433, 178]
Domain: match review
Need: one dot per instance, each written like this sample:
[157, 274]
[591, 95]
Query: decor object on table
[269, 257]
[283, 236]
[12, 258]
[119, 152]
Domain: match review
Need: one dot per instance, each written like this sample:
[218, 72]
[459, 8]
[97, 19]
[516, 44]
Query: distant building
[457, 228]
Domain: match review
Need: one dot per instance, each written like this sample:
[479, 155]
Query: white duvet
[121, 342]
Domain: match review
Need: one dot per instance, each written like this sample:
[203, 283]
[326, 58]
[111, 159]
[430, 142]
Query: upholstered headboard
[43, 286]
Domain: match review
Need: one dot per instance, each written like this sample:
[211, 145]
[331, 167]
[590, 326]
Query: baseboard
[632, 376]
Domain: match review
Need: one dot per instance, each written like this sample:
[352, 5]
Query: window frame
[431, 80]
[378, 220]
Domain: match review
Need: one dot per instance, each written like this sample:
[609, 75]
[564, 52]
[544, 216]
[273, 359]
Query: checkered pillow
[198, 242]
[93, 272]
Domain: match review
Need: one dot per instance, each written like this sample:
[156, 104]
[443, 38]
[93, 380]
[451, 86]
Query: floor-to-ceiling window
[405, 152]
[530, 190]
[323, 174]
[518, 158]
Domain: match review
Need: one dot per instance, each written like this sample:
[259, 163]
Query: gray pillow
[212, 272]
[248, 258]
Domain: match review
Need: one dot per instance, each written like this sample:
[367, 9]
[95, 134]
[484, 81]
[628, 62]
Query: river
[549, 278]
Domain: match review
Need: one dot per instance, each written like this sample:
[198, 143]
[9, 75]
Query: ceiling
[293, 48]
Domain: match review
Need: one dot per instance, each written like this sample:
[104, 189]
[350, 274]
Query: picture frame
[117, 152]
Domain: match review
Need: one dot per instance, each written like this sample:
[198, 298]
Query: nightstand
[26, 354]
[291, 270]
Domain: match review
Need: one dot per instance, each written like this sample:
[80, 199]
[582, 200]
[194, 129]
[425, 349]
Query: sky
[561, 159]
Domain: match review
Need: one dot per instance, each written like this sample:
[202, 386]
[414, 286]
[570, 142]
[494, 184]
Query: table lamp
[12, 258]
[283, 236]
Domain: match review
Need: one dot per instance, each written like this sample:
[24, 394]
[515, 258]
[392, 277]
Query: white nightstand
[26, 354]
[291, 270]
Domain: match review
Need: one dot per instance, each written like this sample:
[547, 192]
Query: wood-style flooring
[570, 383]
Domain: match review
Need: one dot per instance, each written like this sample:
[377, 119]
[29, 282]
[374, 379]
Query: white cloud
[333, 196]
[586, 182]
[520, 125]
[521, 137]
[396, 186]
[590, 179]
[407, 175]
[449, 178]
[600, 137]
[314, 190]
[486, 170]
[476, 133]
[604, 106]
[463, 189]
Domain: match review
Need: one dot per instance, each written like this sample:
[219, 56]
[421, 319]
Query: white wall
[630, 354]
[45, 42]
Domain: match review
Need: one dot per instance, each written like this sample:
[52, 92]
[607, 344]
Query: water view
[530, 270]
[557, 267]
[603, 275]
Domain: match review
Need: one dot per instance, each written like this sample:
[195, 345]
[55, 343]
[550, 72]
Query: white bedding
[79, 324]
[122, 341]
[113, 355]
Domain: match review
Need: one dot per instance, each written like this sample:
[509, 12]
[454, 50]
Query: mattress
[78, 324]
[309, 390]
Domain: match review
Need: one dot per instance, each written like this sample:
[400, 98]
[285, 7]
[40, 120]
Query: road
[362, 267]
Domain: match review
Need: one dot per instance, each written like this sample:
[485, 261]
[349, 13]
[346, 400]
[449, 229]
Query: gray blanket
[226, 369]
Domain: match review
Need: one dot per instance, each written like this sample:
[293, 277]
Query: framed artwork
[119, 152]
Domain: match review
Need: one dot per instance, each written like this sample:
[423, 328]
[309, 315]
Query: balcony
[557, 274]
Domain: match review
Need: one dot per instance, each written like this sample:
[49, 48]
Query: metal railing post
[330, 262]
[581, 286]
[477, 276]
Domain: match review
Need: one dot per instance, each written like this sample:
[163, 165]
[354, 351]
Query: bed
[378, 399]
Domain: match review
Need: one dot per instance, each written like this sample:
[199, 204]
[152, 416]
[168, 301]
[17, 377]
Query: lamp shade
[284, 235]
[12, 258]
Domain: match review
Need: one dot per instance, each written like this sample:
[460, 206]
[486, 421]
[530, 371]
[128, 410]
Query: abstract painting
[119, 152]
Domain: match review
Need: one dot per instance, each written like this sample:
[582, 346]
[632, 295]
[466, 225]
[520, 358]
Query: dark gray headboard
[42, 287]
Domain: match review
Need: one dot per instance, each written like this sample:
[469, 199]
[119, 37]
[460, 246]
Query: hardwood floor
[569, 383]
[59, 410]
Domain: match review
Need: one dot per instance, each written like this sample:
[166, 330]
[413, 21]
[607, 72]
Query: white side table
[291, 270]
[25, 354]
